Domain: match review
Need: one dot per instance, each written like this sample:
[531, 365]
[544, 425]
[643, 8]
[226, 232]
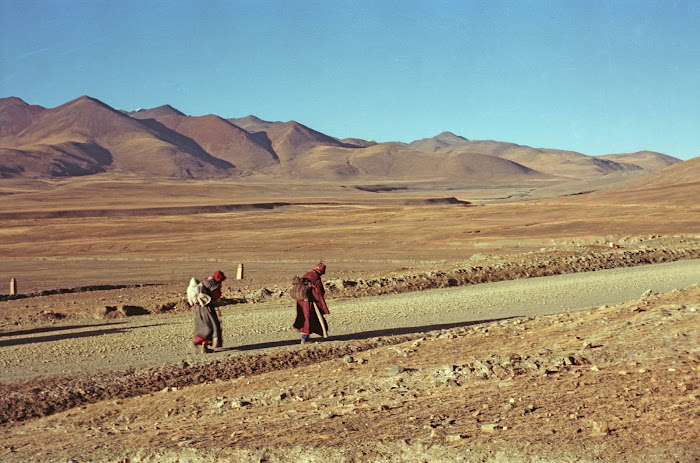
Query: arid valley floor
[531, 323]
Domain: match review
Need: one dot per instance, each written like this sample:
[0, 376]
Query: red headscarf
[321, 267]
[218, 276]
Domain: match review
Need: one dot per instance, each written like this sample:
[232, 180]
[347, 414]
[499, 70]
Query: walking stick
[321, 320]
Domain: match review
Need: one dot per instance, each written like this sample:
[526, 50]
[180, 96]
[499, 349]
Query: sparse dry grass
[335, 222]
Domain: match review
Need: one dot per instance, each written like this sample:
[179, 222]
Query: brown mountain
[648, 160]
[359, 142]
[224, 140]
[292, 139]
[445, 141]
[394, 161]
[679, 173]
[565, 163]
[550, 161]
[252, 124]
[165, 110]
[86, 136]
[675, 186]
[16, 115]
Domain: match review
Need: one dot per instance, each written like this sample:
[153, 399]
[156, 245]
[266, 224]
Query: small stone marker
[239, 274]
[13, 287]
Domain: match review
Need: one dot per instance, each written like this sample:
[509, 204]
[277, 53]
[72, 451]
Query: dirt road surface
[92, 345]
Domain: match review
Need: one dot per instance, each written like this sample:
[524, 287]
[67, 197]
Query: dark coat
[206, 321]
[310, 313]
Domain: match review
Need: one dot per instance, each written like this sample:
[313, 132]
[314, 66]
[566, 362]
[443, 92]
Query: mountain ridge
[86, 136]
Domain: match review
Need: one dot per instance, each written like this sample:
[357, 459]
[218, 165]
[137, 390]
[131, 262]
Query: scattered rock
[685, 386]
[132, 310]
[163, 308]
[105, 312]
[600, 428]
[259, 295]
[394, 370]
[490, 428]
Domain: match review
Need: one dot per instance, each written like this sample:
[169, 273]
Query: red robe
[309, 319]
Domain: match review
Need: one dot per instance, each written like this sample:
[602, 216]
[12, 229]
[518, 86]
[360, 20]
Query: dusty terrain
[106, 231]
[498, 326]
[397, 383]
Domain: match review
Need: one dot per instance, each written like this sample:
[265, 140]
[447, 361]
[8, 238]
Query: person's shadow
[59, 336]
[409, 330]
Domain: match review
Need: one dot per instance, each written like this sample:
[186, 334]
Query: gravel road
[70, 348]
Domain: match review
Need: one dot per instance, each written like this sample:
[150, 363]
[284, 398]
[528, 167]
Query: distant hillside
[86, 136]
[394, 161]
[165, 110]
[676, 185]
[252, 124]
[682, 172]
[445, 141]
[224, 140]
[359, 142]
[647, 160]
[550, 161]
[292, 139]
[16, 115]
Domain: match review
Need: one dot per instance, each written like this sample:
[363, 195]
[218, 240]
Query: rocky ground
[610, 383]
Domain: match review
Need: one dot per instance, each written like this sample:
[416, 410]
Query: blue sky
[591, 76]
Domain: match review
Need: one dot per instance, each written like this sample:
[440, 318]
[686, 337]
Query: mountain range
[86, 136]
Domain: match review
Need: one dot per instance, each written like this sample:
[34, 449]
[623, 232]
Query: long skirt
[310, 319]
[206, 324]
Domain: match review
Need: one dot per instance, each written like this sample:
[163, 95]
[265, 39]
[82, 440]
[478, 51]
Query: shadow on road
[48, 329]
[362, 335]
[58, 337]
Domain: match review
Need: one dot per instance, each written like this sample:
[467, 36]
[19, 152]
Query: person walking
[310, 314]
[207, 327]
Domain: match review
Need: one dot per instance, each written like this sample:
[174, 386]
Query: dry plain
[578, 379]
